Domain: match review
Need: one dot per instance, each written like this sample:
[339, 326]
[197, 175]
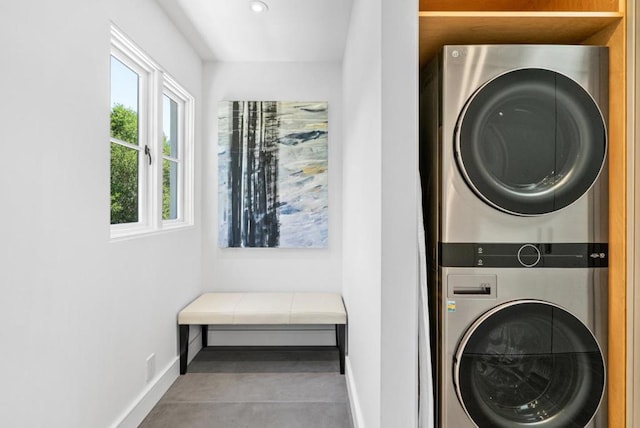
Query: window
[125, 150]
[151, 137]
[171, 155]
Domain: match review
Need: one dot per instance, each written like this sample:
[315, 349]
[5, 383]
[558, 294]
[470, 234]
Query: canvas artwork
[272, 174]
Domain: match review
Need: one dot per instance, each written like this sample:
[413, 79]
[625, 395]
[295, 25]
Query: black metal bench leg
[340, 342]
[205, 335]
[184, 348]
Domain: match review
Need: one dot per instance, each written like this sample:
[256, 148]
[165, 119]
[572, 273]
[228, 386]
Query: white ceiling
[291, 30]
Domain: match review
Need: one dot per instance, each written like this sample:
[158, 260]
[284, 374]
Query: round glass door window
[529, 363]
[531, 142]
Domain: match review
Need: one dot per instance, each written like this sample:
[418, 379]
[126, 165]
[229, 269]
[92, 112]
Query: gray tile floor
[256, 388]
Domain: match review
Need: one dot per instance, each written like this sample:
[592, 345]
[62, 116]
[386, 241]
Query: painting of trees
[272, 174]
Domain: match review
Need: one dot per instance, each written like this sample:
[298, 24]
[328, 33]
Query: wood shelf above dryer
[523, 5]
[449, 28]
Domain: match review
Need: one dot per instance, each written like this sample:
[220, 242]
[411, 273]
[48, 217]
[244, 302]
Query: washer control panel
[528, 255]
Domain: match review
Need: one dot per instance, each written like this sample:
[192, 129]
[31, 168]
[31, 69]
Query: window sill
[126, 234]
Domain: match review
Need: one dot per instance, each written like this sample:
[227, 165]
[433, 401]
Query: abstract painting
[272, 174]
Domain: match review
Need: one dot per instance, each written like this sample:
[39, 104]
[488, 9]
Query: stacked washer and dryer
[513, 163]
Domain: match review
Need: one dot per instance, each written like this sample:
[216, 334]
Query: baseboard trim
[149, 397]
[275, 338]
[153, 392]
[354, 402]
[261, 335]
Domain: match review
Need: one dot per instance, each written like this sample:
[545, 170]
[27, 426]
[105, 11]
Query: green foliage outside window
[124, 168]
[166, 185]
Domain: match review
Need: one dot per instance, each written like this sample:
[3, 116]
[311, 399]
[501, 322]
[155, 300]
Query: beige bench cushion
[317, 308]
[264, 308]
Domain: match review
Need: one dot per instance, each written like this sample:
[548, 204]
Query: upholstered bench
[262, 308]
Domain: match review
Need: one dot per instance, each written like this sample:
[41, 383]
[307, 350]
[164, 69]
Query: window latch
[147, 151]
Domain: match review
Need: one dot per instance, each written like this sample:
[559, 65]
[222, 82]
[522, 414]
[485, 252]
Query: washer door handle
[481, 290]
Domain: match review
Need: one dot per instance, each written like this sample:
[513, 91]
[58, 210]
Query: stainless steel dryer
[524, 350]
[516, 143]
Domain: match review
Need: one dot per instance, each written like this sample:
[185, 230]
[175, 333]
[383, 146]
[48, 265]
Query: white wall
[271, 269]
[78, 314]
[399, 213]
[362, 183]
[380, 206]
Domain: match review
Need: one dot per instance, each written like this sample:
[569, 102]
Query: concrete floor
[254, 387]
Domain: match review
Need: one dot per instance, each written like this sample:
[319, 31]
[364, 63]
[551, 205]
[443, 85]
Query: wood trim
[633, 221]
[522, 5]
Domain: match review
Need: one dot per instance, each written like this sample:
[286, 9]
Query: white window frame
[152, 84]
[184, 160]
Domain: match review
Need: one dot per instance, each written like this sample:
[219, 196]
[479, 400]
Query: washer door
[529, 363]
[531, 142]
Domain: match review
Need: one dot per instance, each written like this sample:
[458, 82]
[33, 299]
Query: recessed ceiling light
[258, 6]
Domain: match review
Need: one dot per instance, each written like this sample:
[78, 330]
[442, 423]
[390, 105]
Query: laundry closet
[601, 198]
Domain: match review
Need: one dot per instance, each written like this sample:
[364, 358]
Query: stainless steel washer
[524, 350]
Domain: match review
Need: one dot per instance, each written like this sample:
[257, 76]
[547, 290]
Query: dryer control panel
[529, 255]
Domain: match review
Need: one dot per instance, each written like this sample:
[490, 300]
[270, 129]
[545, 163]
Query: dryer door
[530, 142]
[529, 363]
